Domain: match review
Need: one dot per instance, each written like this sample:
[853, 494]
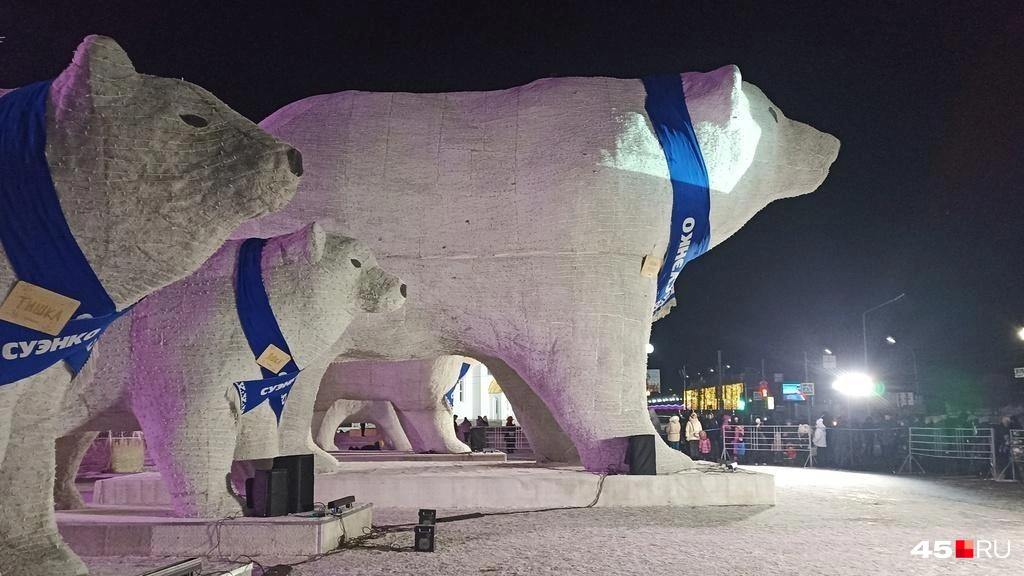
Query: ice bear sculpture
[172, 360]
[381, 413]
[414, 388]
[151, 175]
[521, 219]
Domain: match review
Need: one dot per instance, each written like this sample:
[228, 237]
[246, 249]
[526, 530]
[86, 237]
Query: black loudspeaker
[477, 439]
[640, 455]
[300, 481]
[424, 538]
[267, 493]
[428, 517]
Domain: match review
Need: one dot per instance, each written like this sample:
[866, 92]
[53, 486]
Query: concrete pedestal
[150, 531]
[499, 486]
[396, 456]
[510, 486]
[142, 489]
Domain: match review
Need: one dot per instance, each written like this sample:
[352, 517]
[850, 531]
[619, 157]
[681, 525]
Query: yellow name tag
[650, 267]
[273, 359]
[37, 308]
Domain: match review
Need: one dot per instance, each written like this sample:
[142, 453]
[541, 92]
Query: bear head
[754, 154]
[154, 173]
[341, 270]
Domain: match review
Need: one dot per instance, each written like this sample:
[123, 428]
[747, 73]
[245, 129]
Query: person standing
[739, 444]
[760, 443]
[704, 447]
[819, 439]
[672, 430]
[1001, 439]
[464, 429]
[510, 435]
[693, 430]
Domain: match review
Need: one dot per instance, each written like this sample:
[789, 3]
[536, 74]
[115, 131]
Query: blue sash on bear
[449, 396]
[690, 232]
[261, 330]
[39, 245]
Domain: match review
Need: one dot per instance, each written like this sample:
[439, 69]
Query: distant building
[479, 394]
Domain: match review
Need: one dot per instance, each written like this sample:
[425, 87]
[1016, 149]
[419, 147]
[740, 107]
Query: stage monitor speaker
[300, 481]
[268, 493]
[428, 517]
[640, 455]
[423, 539]
[477, 439]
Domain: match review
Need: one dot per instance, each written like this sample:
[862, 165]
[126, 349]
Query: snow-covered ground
[825, 522]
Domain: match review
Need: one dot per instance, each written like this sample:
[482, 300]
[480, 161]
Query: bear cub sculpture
[171, 363]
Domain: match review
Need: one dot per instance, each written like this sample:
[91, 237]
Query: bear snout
[380, 291]
[294, 161]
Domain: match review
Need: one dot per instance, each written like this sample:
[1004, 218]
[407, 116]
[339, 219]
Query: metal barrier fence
[868, 449]
[950, 444]
[895, 449]
[960, 451]
[1011, 462]
[767, 444]
[507, 439]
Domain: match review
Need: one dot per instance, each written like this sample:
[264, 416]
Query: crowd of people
[880, 442]
[463, 431]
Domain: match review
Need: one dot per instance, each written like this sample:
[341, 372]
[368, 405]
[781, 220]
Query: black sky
[926, 98]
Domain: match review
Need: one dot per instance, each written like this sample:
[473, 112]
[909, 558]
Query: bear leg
[294, 430]
[548, 441]
[29, 542]
[430, 430]
[71, 450]
[193, 442]
[590, 372]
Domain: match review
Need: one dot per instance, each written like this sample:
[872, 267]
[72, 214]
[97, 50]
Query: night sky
[925, 197]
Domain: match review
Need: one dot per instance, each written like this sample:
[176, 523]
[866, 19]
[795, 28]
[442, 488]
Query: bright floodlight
[890, 339]
[827, 351]
[650, 348]
[854, 384]
[1020, 333]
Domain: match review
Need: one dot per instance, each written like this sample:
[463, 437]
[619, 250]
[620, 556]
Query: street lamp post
[917, 385]
[913, 357]
[718, 391]
[864, 323]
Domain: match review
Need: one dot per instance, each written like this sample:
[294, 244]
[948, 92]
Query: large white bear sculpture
[172, 361]
[151, 175]
[520, 219]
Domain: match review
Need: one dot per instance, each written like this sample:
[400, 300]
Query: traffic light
[741, 404]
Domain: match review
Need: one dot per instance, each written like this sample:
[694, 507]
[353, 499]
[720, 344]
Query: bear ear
[714, 95]
[725, 80]
[731, 77]
[100, 70]
[316, 239]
